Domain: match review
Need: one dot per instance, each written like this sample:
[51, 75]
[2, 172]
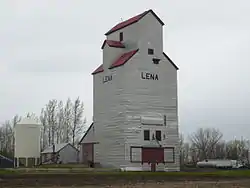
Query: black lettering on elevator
[107, 79]
[149, 76]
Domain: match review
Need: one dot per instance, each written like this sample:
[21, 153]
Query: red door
[152, 155]
[88, 153]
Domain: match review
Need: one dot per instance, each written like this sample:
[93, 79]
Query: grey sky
[50, 47]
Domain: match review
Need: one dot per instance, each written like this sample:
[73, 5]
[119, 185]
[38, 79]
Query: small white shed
[67, 153]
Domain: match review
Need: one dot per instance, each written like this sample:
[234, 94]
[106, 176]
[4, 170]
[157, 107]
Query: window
[121, 36]
[156, 61]
[165, 120]
[158, 135]
[169, 155]
[150, 51]
[146, 135]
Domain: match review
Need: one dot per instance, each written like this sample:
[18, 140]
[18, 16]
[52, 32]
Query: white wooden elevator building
[135, 103]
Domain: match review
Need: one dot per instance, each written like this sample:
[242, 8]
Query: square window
[146, 135]
[156, 61]
[121, 36]
[150, 51]
[158, 135]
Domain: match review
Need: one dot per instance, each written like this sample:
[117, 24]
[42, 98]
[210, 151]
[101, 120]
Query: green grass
[62, 166]
[7, 171]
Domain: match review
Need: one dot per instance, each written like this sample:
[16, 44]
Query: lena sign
[149, 76]
[106, 78]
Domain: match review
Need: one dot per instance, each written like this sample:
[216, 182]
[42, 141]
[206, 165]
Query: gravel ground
[179, 184]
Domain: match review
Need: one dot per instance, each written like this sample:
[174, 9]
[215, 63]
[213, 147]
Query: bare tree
[51, 119]
[6, 134]
[78, 123]
[43, 119]
[182, 149]
[15, 120]
[67, 120]
[194, 153]
[238, 150]
[186, 152]
[205, 140]
[220, 150]
[60, 119]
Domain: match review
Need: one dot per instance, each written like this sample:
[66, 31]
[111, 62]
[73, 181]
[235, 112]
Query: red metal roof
[132, 21]
[112, 43]
[99, 69]
[123, 58]
[118, 62]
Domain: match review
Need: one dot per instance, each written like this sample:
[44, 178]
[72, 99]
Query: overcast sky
[48, 49]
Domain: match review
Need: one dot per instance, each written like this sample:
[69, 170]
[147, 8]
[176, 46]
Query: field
[70, 177]
[231, 184]
[171, 185]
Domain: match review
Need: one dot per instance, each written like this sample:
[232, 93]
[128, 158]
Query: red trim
[152, 155]
[141, 161]
[112, 43]
[89, 150]
[132, 21]
[98, 70]
[123, 58]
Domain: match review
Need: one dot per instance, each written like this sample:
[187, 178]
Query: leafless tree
[194, 152]
[60, 119]
[78, 122]
[6, 135]
[51, 119]
[67, 120]
[186, 149]
[205, 140]
[220, 150]
[43, 120]
[15, 120]
[238, 150]
[182, 151]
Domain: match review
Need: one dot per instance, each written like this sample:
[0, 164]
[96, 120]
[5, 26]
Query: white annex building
[135, 114]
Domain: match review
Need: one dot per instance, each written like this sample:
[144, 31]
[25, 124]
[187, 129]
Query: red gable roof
[99, 69]
[132, 21]
[123, 59]
[119, 62]
[112, 43]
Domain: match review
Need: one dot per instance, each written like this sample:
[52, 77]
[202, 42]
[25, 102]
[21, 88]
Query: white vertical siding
[108, 119]
[152, 36]
[110, 54]
[119, 104]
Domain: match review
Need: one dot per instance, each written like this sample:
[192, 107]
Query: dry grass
[222, 179]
